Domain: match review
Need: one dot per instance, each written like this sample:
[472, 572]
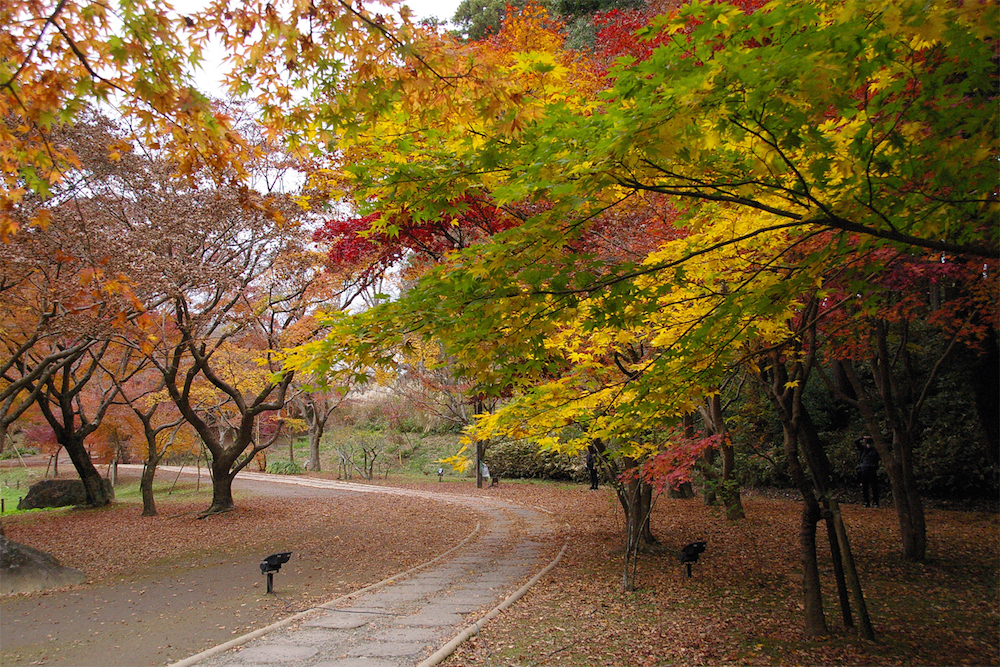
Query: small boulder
[25, 570]
[58, 493]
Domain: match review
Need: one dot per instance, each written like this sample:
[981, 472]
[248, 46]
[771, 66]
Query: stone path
[418, 616]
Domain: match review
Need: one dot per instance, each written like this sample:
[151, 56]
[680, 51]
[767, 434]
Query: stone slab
[338, 620]
[406, 635]
[357, 662]
[386, 649]
[454, 606]
[276, 654]
[431, 619]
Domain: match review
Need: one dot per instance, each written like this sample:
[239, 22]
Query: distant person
[592, 467]
[868, 469]
[485, 472]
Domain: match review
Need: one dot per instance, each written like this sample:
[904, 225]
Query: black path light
[690, 553]
[272, 564]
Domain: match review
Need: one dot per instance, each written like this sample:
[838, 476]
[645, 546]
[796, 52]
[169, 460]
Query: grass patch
[14, 484]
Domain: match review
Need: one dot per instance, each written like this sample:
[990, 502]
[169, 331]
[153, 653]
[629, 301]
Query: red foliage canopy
[616, 30]
[369, 244]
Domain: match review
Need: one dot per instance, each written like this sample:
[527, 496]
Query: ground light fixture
[272, 564]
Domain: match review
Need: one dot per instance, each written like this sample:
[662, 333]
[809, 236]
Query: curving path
[417, 617]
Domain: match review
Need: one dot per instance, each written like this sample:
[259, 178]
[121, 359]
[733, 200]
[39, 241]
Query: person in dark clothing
[592, 467]
[868, 469]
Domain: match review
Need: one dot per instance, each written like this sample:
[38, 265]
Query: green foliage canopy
[869, 123]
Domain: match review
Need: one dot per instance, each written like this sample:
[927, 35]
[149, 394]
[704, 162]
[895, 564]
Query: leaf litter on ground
[742, 606]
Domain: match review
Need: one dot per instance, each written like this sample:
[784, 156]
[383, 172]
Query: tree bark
[838, 570]
[813, 617]
[784, 389]
[146, 488]
[314, 441]
[93, 483]
[850, 571]
[815, 620]
[728, 488]
[222, 485]
[986, 390]
[897, 457]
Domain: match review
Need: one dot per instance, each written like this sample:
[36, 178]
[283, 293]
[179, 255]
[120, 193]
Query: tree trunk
[838, 568]
[815, 621]
[682, 492]
[897, 457]
[636, 499]
[727, 488]
[630, 497]
[146, 488]
[908, 504]
[849, 569]
[784, 389]
[480, 453]
[646, 510]
[986, 390]
[314, 441]
[732, 499]
[93, 484]
[222, 485]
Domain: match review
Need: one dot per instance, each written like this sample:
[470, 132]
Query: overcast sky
[443, 9]
[209, 76]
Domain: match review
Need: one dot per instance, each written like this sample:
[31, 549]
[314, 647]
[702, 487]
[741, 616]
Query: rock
[25, 570]
[58, 493]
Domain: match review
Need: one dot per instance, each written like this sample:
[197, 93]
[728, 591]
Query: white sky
[208, 78]
[443, 9]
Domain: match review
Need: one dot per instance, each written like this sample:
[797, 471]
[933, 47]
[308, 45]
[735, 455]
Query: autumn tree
[905, 316]
[145, 396]
[870, 135]
[66, 298]
[479, 19]
[59, 57]
[234, 285]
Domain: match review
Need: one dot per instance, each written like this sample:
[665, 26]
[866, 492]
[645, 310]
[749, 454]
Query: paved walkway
[417, 617]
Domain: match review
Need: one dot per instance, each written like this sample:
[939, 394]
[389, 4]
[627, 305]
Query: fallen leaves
[743, 604]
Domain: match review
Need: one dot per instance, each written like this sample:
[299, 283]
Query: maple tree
[201, 281]
[907, 314]
[227, 312]
[673, 215]
[57, 57]
[145, 397]
[64, 298]
[769, 127]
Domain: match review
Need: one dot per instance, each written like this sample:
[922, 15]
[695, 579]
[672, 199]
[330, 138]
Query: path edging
[442, 653]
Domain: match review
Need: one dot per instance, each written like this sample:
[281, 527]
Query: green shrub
[285, 468]
[952, 459]
[13, 452]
